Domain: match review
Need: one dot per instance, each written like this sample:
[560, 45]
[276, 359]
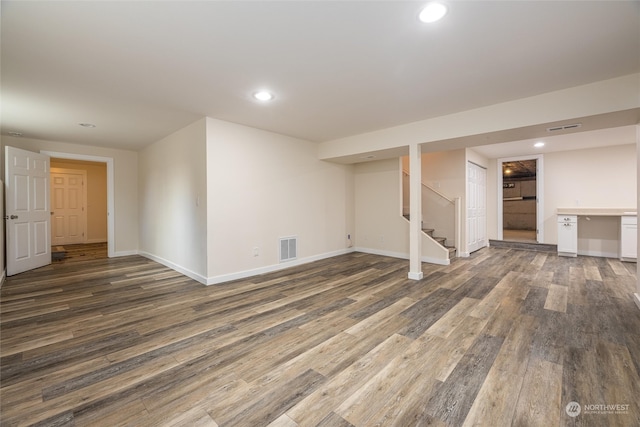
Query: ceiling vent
[564, 127]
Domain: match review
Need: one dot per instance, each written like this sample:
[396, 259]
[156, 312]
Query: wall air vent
[288, 248]
[564, 127]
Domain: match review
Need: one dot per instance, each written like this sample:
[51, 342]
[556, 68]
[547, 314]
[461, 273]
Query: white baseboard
[271, 268]
[415, 276]
[599, 254]
[241, 274]
[402, 255]
[191, 274]
[636, 298]
[125, 253]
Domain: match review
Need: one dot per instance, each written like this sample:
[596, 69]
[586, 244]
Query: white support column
[636, 296]
[415, 210]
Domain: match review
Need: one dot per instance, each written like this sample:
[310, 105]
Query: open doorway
[78, 205]
[520, 199]
[107, 163]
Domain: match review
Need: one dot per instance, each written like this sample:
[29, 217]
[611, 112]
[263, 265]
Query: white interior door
[27, 210]
[68, 218]
[476, 207]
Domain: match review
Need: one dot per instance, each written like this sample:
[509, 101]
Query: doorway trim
[539, 193]
[110, 187]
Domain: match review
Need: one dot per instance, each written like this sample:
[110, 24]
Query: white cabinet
[568, 235]
[629, 238]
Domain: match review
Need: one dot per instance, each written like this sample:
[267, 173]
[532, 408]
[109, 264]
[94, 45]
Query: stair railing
[439, 212]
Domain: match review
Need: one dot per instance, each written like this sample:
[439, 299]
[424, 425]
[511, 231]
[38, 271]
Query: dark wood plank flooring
[504, 337]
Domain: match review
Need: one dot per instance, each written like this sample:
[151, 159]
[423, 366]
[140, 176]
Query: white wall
[380, 227]
[595, 177]
[446, 171]
[263, 186]
[173, 201]
[379, 223]
[618, 94]
[125, 184]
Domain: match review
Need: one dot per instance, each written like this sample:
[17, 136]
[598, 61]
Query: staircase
[441, 240]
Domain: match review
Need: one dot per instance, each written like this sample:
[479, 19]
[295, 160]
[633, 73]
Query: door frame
[83, 173]
[539, 193]
[110, 189]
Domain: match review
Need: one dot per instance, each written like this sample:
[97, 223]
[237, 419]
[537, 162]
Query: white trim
[636, 299]
[271, 268]
[241, 274]
[402, 255]
[111, 227]
[193, 275]
[3, 276]
[539, 193]
[415, 276]
[124, 253]
[599, 254]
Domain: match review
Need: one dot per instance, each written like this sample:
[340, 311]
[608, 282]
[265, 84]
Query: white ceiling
[141, 70]
[572, 141]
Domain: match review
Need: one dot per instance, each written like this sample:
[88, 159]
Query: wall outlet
[256, 251]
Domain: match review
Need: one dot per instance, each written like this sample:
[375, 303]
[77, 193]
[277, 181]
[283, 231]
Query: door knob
[11, 217]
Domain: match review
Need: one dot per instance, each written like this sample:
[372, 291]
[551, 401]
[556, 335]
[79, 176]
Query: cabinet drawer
[567, 218]
[629, 220]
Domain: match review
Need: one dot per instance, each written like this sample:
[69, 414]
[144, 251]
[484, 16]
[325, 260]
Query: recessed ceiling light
[433, 12]
[539, 144]
[87, 125]
[263, 95]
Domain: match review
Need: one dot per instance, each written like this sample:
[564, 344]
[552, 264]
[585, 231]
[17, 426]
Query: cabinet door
[629, 241]
[568, 237]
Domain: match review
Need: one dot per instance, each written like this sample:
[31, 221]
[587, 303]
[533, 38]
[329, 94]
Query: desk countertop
[598, 211]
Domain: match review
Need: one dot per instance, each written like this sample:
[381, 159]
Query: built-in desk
[568, 230]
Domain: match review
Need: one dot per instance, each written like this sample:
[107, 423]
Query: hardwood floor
[504, 337]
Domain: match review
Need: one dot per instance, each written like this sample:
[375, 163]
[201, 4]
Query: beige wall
[263, 186]
[173, 201]
[380, 227]
[379, 223]
[125, 184]
[595, 177]
[96, 196]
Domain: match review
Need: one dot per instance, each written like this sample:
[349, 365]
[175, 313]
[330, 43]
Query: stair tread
[440, 240]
